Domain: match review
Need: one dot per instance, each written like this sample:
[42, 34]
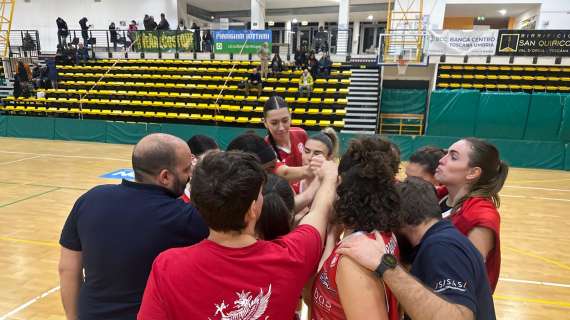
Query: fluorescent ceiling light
[370, 17]
[502, 12]
[295, 20]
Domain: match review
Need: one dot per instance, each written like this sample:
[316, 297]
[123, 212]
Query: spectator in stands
[448, 279]
[207, 41]
[301, 59]
[264, 58]
[23, 80]
[152, 24]
[305, 83]
[424, 162]
[277, 211]
[276, 64]
[253, 81]
[473, 174]
[287, 142]
[267, 276]
[325, 65]
[114, 232]
[28, 43]
[252, 143]
[196, 29]
[84, 30]
[367, 200]
[321, 40]
[181, 25]
[131, 32]
[113, 35]
[52, 72]
[163, 25]
[81, 54]
[313, 65]
[146, 21]
[62, 31]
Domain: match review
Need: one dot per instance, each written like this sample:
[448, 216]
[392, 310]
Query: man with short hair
[114, 232]
[253, 81]
[444, 260]
[232, 274]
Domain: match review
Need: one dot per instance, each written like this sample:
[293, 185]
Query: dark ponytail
[494, 172]
[274, 103]
[277, 211]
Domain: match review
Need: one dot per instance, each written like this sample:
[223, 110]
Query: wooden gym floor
[41, 179]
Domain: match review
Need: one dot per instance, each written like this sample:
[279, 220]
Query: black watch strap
[389, 261]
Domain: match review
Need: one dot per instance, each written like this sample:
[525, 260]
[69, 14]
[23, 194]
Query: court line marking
[34, 242]
[539, 257]
[565, 304]
[538, 188]
[41, 185]
[19, 160]
[541, 283]
[28, 198]
[543, 180]
[64, 156]
[534, 198]
[28, 303]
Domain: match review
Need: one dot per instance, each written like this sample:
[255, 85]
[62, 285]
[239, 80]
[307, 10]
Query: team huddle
[249, 232]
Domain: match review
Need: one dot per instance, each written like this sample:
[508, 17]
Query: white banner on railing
[462, 42]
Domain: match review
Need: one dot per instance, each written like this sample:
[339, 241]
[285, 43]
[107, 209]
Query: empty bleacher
[185, 91]
[504, 78]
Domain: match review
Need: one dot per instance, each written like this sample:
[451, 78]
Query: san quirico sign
[462, 42]
[534, 43]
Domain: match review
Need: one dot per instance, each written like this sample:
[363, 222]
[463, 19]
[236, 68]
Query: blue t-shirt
[119, 230]
[449, 264]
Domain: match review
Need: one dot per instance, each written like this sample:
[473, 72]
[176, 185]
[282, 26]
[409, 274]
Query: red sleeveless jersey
[325, 302]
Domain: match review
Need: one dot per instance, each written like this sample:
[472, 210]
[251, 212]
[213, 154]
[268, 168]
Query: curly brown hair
[368, 199]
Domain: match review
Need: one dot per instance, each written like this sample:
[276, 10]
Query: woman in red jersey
[287, 142]
[473, 175]
[367, 201]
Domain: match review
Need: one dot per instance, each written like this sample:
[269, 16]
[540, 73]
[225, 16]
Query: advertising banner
[463, 42]
[554, 43]
[232, 41]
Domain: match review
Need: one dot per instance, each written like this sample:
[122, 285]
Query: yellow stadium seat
[338, 124]
[340, 112]
[299, 111]
[255, 120]
[324, 123]
[313, 111]
[310, 122]
[296, 122]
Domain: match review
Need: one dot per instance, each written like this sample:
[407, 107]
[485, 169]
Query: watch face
[390, 260]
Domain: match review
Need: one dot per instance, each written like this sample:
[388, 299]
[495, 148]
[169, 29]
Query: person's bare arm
[304, 199]
[321, 208]
[483, 239]
[361, 293]
[293, 174]
[419, 302]
[70, 279]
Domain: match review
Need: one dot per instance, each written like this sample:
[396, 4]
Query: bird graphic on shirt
[246, 307]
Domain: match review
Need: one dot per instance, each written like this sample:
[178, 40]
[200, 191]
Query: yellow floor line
[537, 256]
[35, 242]
[564, 304]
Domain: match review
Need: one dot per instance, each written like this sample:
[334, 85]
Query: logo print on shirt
[324, 279]
[246, 307]
[301, 147]
[449, 284]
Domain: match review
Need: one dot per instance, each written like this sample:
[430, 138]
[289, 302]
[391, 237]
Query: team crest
[246, 307]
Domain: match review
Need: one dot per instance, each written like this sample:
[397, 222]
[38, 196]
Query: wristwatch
[389, 261]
